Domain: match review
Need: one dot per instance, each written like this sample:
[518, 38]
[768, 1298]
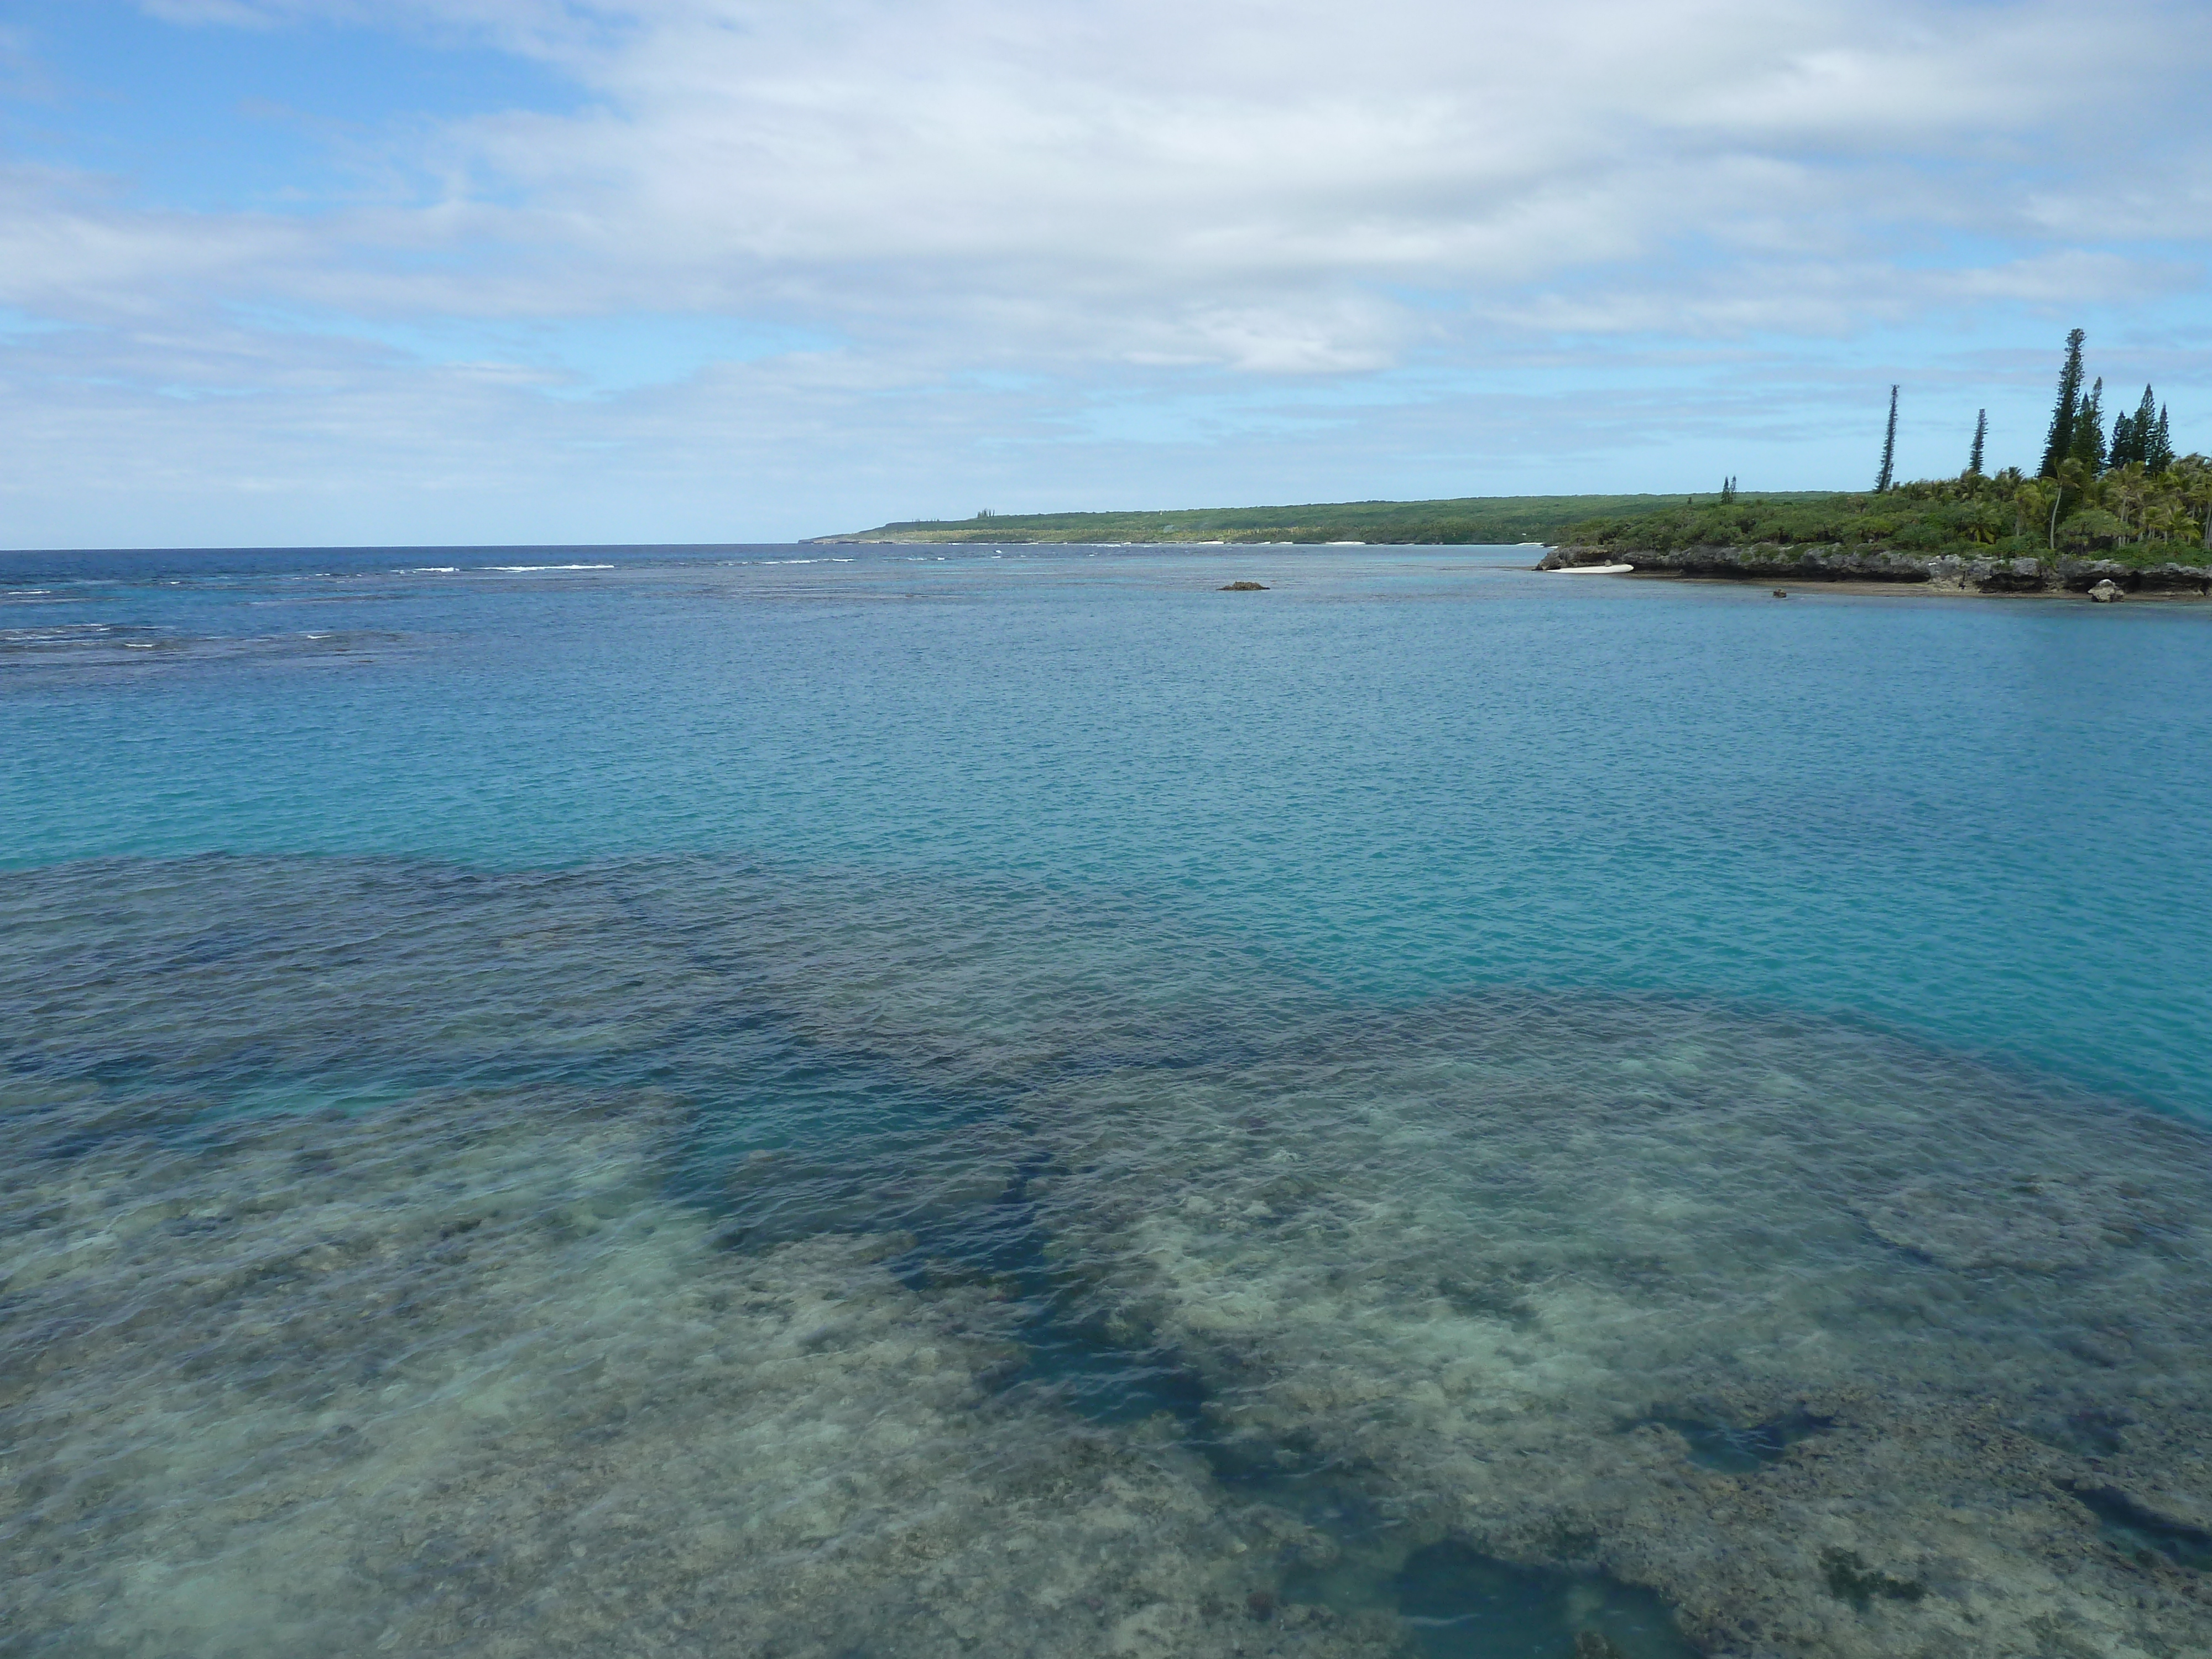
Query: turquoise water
[1402, 772]
[860, 1100]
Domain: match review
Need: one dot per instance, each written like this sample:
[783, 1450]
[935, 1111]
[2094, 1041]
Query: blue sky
[345, 272]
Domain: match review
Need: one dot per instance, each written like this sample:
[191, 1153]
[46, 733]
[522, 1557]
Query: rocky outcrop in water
[1944, 573]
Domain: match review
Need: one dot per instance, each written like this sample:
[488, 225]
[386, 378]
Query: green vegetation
[2129, 499]
[2128, 514]
[2143, 437]
[1888, 449]
[2060, 444]
[1473, 520]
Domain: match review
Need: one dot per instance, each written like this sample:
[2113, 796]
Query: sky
[431, 272]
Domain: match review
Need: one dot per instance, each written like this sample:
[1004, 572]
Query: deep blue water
[877, 1099]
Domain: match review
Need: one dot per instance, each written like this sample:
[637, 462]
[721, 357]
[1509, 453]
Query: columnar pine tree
[1728, 489]
[1981, 437]
[2063, 413]
[1888, 449]
[2088, 446]
[2158, 448]
[2131, 433]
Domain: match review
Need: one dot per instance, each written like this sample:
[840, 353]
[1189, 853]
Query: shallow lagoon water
[1020, 1104]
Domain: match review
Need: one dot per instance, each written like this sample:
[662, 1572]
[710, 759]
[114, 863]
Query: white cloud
[1238, 182]
[1121, 192]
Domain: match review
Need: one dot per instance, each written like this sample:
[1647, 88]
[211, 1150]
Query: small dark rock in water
[1781, 592]
[1261, 1604]
[1850, 1579]
[1243, 587]
[2106, 591]
[1596, 1644]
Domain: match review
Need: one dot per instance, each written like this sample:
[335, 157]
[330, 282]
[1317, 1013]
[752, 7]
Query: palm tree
[2192, 481]
[2008, 486]
[2041, 497]
[2072, 475]
[2130, 486]
[1981, 522]
[2166, 515]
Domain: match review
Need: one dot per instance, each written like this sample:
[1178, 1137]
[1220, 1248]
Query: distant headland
[1991, 535]
[1469, 521]
[2111, 507]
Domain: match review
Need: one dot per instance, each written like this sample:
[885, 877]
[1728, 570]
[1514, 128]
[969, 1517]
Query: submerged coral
[1477, 1289]
[711, 1262]
[454, 1377]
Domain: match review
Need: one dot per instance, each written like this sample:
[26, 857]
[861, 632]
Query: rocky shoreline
[1946, 572]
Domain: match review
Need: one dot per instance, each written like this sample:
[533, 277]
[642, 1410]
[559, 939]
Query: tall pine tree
[1888, 449]
[1981, 436]
[2088, 446]
[2065, 413]
[2158, 449]
[2131, 433]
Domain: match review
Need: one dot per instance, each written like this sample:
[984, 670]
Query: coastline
[1455, 521]
[1884, 570]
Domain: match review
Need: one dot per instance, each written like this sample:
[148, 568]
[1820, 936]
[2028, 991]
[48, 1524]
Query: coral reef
[454, 1377]
[1491, 1303]
[665, 1258]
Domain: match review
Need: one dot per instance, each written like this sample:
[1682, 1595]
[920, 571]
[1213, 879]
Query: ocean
[872, 1100]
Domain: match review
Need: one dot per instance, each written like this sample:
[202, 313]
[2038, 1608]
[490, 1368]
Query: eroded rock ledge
[1834, 562]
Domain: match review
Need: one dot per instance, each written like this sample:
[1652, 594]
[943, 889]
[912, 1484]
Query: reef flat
[1831, 1348]
[458, 1379]
[703, 1257]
